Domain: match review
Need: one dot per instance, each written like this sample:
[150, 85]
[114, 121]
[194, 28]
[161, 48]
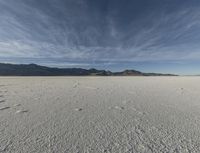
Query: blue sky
[147, 35]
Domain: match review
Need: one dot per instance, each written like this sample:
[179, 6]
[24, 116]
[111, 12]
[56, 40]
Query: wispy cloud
[106, 31]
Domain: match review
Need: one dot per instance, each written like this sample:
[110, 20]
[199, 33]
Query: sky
[147, 35]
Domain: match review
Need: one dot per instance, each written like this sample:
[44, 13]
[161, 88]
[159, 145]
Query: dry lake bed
[99, 114]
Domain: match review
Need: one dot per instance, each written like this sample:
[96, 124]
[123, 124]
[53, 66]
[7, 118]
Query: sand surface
[99, 114]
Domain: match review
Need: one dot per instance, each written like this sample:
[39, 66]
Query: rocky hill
[37, 70]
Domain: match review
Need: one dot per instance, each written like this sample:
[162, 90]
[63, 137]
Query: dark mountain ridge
[37, 70]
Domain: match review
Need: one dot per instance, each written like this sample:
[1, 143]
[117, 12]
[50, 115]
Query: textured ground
[99, 114]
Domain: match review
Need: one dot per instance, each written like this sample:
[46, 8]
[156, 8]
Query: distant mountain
[37, 70]
[129, 73]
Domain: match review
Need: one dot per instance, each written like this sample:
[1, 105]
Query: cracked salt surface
[125, 114]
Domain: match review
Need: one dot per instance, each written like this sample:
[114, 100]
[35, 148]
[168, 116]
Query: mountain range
[37, 70]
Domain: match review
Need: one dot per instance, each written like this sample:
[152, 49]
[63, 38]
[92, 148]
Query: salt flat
[99, 114]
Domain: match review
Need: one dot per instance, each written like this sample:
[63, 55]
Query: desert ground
[99, 114]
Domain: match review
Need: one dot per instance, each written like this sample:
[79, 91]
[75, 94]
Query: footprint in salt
[119, 107]
[141, 113]
[2, 101]
[3, 108]
[78, 109]
[76, 85]
[15, 105]
[21, 111]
